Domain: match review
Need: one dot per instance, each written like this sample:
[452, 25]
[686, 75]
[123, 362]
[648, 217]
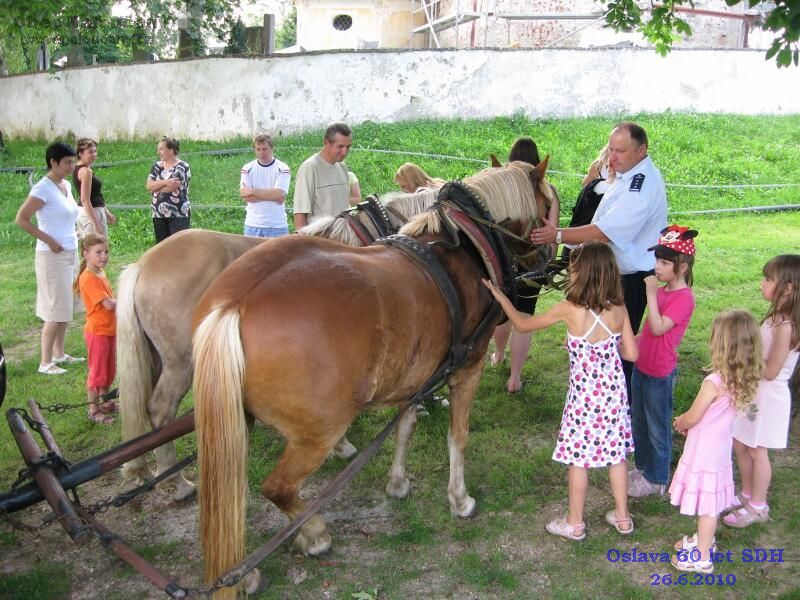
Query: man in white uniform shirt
[264, 185]
[629, 218]
[322, 188]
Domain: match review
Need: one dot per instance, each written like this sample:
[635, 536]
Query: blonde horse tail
[221, 441]
[134, 361]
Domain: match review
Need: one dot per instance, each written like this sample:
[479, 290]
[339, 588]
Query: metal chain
[51, 459]
[31, 529]
[60, 407]
[122, 499]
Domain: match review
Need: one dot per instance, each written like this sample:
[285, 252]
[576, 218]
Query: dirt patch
[24, 350]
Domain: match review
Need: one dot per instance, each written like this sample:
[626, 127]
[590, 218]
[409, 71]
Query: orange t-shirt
[94, 289]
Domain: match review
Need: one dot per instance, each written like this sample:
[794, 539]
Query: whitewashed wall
[217, 98]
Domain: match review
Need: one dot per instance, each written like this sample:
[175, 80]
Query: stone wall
[217, 98]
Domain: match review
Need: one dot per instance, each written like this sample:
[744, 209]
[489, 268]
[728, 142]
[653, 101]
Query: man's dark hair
[524, 149]
[172, 144]
[341, 128]
[637, 132]
[56, 151]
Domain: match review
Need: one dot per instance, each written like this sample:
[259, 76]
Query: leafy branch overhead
[90, 25]
[664, 27]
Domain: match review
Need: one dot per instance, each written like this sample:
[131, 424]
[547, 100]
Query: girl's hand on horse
[493, 288]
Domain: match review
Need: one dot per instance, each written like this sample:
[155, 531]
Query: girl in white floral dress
[595, 426]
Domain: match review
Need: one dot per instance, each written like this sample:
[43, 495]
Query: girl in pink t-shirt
[669, 309]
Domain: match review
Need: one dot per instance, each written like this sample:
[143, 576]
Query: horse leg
[283, 485]
[162, 407]
[462, 393]
[343, 448]
[399, 486]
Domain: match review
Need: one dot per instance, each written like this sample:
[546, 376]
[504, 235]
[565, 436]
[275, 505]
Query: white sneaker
[51, 369]
[640, 486]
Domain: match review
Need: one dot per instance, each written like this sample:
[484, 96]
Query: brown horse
[157, 296]
[271, 343]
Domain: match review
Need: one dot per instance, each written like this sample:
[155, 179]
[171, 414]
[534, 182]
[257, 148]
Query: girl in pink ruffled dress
[703, 481]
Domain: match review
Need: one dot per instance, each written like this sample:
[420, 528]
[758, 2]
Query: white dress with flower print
[596, 424]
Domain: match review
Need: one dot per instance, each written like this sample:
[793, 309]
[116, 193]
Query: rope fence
[30, 171]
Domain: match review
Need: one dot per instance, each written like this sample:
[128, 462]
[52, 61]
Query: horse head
[520, 208]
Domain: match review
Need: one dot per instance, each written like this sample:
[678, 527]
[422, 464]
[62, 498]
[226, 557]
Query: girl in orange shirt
[101, 325]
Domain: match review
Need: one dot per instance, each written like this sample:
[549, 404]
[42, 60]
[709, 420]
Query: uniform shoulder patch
[636, 182]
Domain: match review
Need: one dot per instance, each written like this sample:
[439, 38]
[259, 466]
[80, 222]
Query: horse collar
[467, 212]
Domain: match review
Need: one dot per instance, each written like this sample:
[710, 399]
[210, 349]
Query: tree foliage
[287, 33]
[88, 25]
[665, 27]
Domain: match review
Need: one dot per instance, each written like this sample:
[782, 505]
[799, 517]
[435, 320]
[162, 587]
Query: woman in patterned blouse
[168, 182]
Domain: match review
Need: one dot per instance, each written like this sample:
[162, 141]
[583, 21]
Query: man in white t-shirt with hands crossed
[264, 185]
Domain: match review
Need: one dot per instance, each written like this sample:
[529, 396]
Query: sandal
[623, 526]
[563, 529]
[101, 418]
[688, 543]
[738, 502]
[109, 407]
[693, 566]
[51, 369]
[68, 360]
[745, 516]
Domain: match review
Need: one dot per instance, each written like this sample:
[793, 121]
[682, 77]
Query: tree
[664, 27]
[68, 23]
[287, 33]
[86, 27]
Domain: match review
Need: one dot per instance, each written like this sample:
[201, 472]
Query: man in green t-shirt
[322, 187]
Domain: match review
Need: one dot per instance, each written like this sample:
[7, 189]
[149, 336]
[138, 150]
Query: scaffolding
[443, 15]
[492, 18]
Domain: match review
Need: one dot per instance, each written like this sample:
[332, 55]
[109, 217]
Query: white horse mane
[408, 205]
[506, 192]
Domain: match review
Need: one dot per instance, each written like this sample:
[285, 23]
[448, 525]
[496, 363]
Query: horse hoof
[398, 489]
[139, 475]
[186, 494]
[185, 491]
[254, 583]
[343, 449]
[466, 509]
[315, 547]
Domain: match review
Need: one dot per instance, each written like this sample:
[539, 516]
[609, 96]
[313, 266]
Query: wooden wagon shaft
[127, 554]
[46, 479]
[91, 468]
[47, 435]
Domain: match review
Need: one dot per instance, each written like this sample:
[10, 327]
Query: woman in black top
[525, 150]
[94, 216]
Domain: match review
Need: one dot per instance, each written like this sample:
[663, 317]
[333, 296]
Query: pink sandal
[746, 516]
[623, 526]
[101, 418]
[561, 528]
[109, 407]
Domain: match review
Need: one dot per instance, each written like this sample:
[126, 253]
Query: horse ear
[540, 170]
[494, 161]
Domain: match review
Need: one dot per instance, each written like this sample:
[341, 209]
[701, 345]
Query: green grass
[423, 550]
[46, 581]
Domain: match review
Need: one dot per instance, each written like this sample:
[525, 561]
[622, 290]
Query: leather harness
[456, 203]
